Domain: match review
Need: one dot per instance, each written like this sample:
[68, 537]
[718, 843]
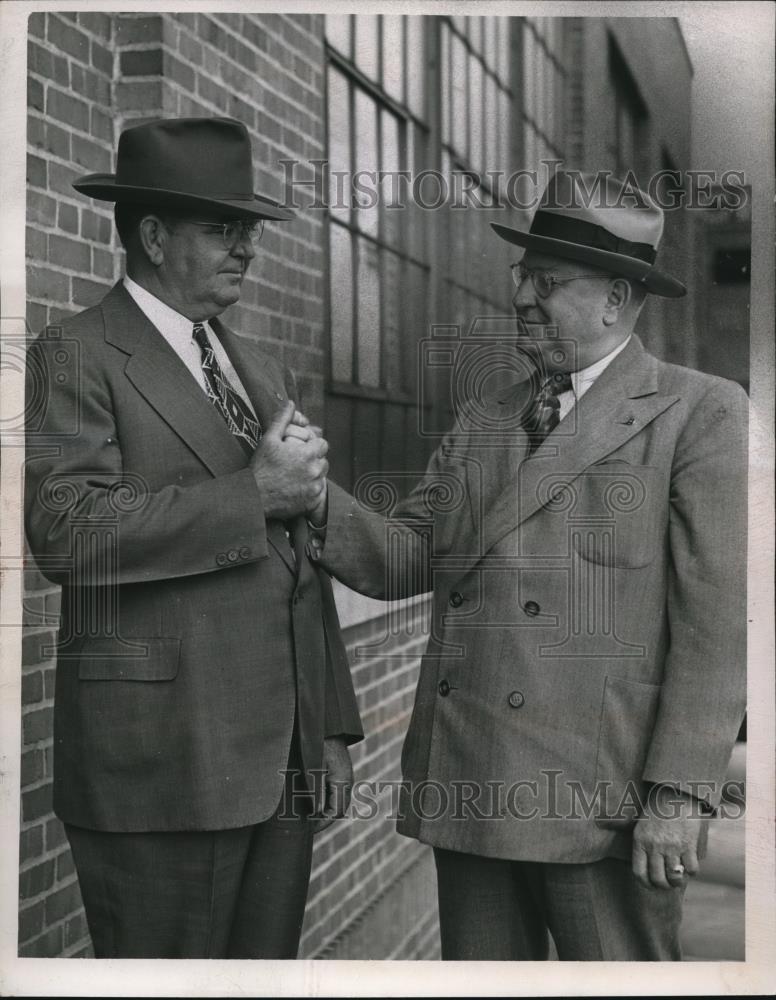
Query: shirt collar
[586, 376]
[172, 324]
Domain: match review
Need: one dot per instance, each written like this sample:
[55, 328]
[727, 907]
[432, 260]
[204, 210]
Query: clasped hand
[290, 466]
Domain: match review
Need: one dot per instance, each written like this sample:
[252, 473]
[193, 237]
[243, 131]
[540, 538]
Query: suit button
[444, 688]
[516, 699]
[456, 599]
[244, 552]
[232, 555]
[531, 608]
[221, 558]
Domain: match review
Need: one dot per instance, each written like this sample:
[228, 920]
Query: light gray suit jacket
[589, 612]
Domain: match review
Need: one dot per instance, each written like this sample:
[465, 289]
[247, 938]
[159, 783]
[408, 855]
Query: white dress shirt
[177, 330]
[583, 379]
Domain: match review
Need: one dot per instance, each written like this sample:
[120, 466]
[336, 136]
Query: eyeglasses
[542, 281]
[236, 231]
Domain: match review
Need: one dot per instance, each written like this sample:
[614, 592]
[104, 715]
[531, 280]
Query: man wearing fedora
[584, 679]
[201, 673]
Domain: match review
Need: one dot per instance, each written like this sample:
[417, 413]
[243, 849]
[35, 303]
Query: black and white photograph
[387, 495]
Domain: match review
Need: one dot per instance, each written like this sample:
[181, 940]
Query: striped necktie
[229, 403]
[543, 415]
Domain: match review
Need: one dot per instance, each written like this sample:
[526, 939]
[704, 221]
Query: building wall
[372, 893]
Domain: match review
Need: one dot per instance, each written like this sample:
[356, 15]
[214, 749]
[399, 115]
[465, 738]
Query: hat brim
[104, 188]
[654, 280]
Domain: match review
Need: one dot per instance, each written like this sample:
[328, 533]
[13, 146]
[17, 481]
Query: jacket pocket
[617, 517]
[136, 658]
[627, 721]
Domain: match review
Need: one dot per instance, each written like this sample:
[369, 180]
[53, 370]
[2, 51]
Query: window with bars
[628, 137]
[406, 94]
[543, 81]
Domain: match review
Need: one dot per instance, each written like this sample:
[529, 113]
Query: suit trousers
[236, 893]
[501, 910]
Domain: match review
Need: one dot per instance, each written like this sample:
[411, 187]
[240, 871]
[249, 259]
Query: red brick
[103, 263]
[37, 316]
[30, 843]
[95, 227]
[62, 903]
[55, 834]
[35, 644]
[48, 754]
[131, 28]
[102, 59]
[76, 930]
[32, 765]
[36, 24]
[48, 945]
[47, 64]
[36, 244]
[30, 921]
[180, 72]
[65, 866]
[57, 141]
[141, 62]
[136, 94]
[34, 93]
[88, 293]
[71, 254]
[101, 125]
[61, 177]
[67, 217]
[67, 109]
[97, 24]
[66, 36]
[33, 881]
[37, 725]
[49, 679]
[43, 283]
[32, 688]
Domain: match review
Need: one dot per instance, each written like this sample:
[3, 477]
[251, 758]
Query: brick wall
[372, 892]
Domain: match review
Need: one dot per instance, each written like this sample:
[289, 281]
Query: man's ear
[152, 238]
[617, 298]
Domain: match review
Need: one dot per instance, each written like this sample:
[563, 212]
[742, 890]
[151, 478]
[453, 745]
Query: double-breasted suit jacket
[588, 622]
[191, 633]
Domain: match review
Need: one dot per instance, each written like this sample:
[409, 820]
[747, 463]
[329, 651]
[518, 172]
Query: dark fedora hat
[602, 221]
[201, 163]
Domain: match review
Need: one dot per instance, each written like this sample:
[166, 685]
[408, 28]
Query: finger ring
[677, 870]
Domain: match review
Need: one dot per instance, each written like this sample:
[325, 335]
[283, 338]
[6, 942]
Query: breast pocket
[619, 514]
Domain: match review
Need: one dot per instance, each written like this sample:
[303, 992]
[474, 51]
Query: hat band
[561, 227]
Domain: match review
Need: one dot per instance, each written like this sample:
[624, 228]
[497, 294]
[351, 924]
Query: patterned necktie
[543, 415]
[232, 407]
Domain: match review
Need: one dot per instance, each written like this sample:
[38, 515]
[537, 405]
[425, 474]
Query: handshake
[289, 466]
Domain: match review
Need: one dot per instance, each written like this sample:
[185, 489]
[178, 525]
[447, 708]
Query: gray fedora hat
[184, 163]
[600, 220]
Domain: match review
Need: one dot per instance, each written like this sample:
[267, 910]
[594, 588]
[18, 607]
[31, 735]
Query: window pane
[390, 191]
[491, 126]
[529, 56]
[368, 313]
[366, 50]
[490, 30]
[366, 163]
[393, 349]
[341, 304]
[339, 145]
[393, 57]
[416, 217]
[338, 32]
[475, 119]
[504, 50]
[505, 128]
[447, 87]
[416, 66]
[460, 109]
[475, 33]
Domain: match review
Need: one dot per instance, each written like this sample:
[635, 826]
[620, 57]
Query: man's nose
[244, 248]
[525, 294]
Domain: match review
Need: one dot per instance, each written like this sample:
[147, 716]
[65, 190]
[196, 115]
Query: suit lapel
[160, 376]
[623, 400]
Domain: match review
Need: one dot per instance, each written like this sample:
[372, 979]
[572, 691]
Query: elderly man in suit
[584, 680]
[201, 672]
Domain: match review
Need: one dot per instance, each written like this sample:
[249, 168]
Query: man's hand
[338, 782]
[666, 839]
[289, 465]
[300, 429]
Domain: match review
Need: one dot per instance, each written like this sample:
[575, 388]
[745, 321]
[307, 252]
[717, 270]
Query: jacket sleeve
[703, 696]
[89, 523]
[391, 557]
